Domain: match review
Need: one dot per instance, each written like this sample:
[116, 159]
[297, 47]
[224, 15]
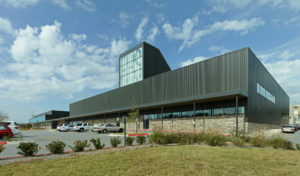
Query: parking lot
[44, 137]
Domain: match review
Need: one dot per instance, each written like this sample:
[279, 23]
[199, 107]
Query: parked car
[61, 126]
[288, 129]
[295, 126]
[80, 127]
[5, 131]
[67, 128]
[109, 128]
[96, 128]
[13, 126]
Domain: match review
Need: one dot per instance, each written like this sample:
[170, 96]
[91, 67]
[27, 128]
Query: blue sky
[55, 52]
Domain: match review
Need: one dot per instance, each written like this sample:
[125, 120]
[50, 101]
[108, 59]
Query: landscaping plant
[129, 141]
[97, 143]
[277, 141]
[6, 138]
[238, 141]
[141, 139]
[258, 139]
[79, 145]
[56, 147]
[115, 141]
[2, 148]
[28, 148]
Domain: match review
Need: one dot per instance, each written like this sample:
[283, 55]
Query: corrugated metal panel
[223, 73]
[260, 109]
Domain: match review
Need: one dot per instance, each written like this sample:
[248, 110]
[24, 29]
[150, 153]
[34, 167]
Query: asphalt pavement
[44, 137]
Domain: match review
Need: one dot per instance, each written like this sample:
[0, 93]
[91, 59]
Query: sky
[56, 52]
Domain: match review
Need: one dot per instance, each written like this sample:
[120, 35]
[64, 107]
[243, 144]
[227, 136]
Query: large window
[262, 91]
[131, 67]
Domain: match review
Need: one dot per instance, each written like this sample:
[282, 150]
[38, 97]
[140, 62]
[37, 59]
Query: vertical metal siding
[220, 74]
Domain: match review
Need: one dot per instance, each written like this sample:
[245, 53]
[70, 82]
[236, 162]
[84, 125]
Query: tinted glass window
[6, 123]
[79, 124]
[85, 124]
[2, 127]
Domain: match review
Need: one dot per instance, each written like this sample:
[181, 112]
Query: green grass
[169, 160]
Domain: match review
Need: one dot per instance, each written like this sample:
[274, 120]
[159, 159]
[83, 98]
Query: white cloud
[5, 26]
[61, 3]
[124, 19]
[140, 29]
[189, 35]
[18, 3]
[78, 37]
[219, 49]
[192, 61]
[87, 5]
[223, 6]
[286, 54]
[153, 33]
[290, 4]
[45, 62]
[155, 4]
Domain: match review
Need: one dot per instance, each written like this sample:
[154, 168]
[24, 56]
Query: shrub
[129, 141]
[259, 139]
[238, 141]
[277, 141]
[6, 138]
[288, 145]
[97, 143]
[158, 138]
[2, 148]
[115, 141]
[298, 146]
[141, 139]
[79, 145]
[216, 140]
[56, 147]
[28, 148]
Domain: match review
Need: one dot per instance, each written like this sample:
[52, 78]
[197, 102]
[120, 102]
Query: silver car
[108, 127]
[288, 129]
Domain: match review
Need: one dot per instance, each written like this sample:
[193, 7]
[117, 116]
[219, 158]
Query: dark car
[5, 131]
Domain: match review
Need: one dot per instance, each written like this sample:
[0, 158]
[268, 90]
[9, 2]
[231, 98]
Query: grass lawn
[169, 160]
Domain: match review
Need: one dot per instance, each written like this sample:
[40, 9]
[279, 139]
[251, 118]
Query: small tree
[3, 116]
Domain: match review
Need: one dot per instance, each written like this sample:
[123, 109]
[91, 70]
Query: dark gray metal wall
[56, 114]
[260, 109]
[154, 61]
[212, 77]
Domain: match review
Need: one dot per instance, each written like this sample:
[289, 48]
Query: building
[192, 98]
[296, 113]
[43, 118]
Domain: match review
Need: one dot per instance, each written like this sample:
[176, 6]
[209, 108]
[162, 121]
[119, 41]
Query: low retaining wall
[226, 124]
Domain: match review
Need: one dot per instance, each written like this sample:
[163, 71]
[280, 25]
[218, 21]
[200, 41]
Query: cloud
[289, 4]
[283, 62]
[153, 33]
[18, 3]
[124, 19]
[190, 35]
[192, 61]
[223, 6]
[61, 3]
[219, 49]
[140, 30]
[44, 62]
[87, 5]
[5, 26]
[154, 4]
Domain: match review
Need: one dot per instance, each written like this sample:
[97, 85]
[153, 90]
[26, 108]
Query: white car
[80, 127]
[288, 129]
[13, 126]
[67, 128]
[61, 126]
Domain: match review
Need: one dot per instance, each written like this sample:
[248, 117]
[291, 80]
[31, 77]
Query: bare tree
[3, 116]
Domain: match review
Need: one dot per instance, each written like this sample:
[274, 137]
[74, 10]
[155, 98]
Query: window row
[198, 113]
[131, 77]
[131, 56]
[262, 91]
[131, 66]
